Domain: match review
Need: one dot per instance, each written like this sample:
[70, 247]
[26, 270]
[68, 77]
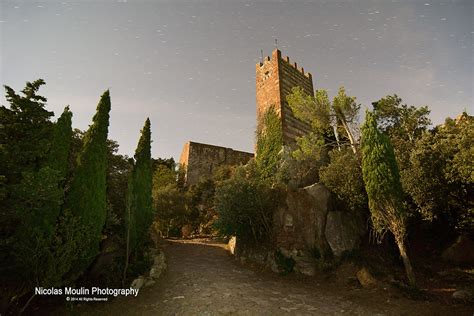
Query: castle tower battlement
[275, 77]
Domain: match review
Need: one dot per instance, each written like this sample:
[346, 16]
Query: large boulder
[307, 226]
[138, 283]
[461, 252]
[232, 245]
[159, 265]
[365, 278]
[464, 295]
[300, 220]
[343, 231]
[307, 221]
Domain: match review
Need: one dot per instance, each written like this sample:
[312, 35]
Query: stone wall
[201, 160]
[275, 77]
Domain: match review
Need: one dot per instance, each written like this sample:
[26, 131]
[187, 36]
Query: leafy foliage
[24, 142]
[343, 176]
[25, 133]
[314, 111]
[296, 171]
[269, 143]
[39, 198]
[58, 156]
[382, 179]
[54, 196]
[142, 185]
[334, 123]
[440, 175]
[434, 165]
[383, 186]
[400, 120]
[244, 205]
[139, 209]
[169, 200]
[200, 204]
[34, 154]
[87, 195]
[118, 171]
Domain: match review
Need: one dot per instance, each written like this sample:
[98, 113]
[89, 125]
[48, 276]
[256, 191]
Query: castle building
[275, 77]
[201, 160]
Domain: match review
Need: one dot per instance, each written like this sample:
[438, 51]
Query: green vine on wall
[269, 143]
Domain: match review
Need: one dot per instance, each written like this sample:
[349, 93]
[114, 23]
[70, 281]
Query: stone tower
[276, 76]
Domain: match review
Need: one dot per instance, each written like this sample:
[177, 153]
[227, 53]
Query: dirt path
[203, 279]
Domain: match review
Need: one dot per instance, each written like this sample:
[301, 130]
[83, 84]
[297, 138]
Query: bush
[343, 176]
[171, 212]
[244, 206]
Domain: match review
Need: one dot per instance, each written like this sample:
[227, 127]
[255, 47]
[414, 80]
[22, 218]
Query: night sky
[190, 65]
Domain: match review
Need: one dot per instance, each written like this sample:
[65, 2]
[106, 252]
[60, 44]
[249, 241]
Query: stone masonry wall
[201, 160]
[275, 78]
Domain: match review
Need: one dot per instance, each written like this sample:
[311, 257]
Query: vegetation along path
[203, 279]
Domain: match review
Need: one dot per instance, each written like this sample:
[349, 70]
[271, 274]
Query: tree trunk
[406, 261]
[349, 135]
[27, 303]
[127, 252]
[337, 137]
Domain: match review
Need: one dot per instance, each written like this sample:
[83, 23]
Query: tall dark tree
[142, 185]
[139, 211]
[404, 125]
[87, 195]
[25, 133]
[36, 158]
[384, 189]
[24, 141]
[130, 225]
[118, 171]
[58, 156]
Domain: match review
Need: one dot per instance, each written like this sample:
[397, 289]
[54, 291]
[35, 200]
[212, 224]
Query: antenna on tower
[276, 43]
[261, 56]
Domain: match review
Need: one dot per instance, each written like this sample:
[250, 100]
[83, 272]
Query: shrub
[244, 206]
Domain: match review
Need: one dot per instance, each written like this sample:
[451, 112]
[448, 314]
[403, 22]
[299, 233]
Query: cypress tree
[58, 156]
[139, 211]
[383, 186]
[130, 225]
[86, 198]
[55, 168]
[142, 185]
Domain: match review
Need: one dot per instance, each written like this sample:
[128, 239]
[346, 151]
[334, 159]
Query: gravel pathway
[203, 279]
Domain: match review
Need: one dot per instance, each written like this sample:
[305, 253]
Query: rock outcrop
[365, 278]
[158, 267]
[461, 252]
[308, 225]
